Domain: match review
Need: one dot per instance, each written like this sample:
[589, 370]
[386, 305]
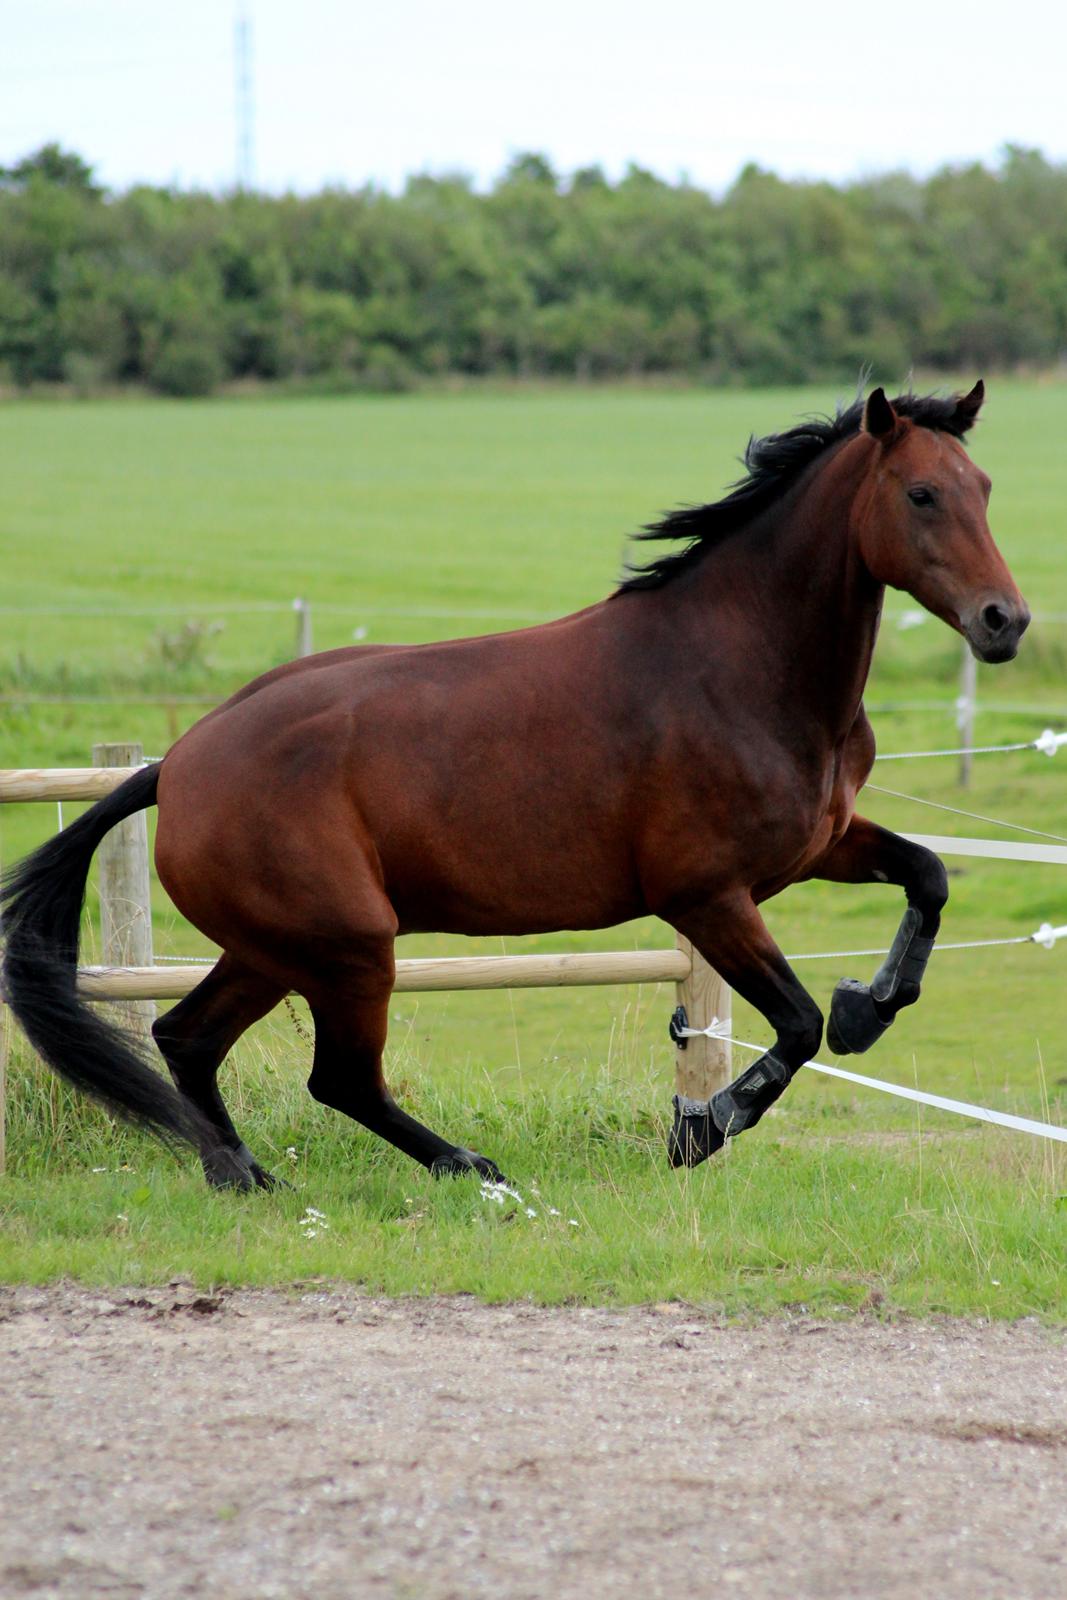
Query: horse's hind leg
[351, 1012]
[732, 936]
[193, 1039]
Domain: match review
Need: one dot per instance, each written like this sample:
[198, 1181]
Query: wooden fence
[129, 976]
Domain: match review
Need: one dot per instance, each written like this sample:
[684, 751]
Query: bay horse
[687, 747]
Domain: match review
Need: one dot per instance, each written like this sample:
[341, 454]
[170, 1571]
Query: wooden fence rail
[426, 974]
[62, 783]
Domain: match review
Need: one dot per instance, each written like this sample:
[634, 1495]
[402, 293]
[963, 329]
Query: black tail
[42, 903]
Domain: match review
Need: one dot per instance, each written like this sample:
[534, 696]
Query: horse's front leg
[732, 936]
[861, 1012]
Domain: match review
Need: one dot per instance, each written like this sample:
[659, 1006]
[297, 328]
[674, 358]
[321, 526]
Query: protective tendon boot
[694, 1136]
[741, 1104]
[855, 1019]
[702, 1126]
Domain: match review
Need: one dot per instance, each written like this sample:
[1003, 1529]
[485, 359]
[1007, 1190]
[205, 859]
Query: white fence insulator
[1047, 935]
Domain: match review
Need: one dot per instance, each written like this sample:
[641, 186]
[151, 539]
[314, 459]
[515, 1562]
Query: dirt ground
[254, 1444]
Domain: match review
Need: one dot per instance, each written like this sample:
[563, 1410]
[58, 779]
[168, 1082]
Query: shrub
[186, 365]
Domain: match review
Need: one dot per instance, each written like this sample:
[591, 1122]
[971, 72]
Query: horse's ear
[879, 418]
[968, 407]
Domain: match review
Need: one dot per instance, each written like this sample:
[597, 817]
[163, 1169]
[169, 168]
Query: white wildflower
[312, 1223]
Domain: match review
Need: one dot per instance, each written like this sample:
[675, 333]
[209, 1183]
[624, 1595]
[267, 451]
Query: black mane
[773, 464]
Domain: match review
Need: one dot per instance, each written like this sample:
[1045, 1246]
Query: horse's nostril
[995, 619]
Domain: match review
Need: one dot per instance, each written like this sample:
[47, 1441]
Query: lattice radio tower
[245, 107]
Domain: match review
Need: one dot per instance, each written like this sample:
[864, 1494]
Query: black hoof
[227, 1169]
[462, 1161]
[854, 1023]
[238, 1169]
[694, 1136]
[262, 1178]
[269, 1180]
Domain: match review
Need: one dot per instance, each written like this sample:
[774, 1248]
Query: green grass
[823, 1209]
[516, 505]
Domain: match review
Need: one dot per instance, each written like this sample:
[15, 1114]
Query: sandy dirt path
[254, 1444]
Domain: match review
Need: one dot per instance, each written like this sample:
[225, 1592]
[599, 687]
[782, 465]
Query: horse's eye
[922, 496]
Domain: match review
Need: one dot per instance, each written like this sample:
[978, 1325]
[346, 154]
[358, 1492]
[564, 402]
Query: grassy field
[188, 530]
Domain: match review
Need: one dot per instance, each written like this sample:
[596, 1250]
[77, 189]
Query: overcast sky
[350, 93]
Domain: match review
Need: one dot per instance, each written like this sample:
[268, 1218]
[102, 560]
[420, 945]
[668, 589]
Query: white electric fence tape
[940, 1102]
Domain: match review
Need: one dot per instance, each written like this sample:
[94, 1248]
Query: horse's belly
[471, 886]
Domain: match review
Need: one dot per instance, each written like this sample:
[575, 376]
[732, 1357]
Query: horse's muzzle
[993, 631]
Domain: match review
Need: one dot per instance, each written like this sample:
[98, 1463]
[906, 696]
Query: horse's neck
[811, 609]
[832, 623]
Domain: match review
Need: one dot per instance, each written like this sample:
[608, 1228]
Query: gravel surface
[255, 1444]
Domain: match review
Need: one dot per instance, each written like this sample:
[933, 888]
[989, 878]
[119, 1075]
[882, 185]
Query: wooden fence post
[5, 1050]
[704, 1065]
[304, 646]
[125, 904]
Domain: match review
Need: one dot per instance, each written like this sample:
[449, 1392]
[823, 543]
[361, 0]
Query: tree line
[543, 275]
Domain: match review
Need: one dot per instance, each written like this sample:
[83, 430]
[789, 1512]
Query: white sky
[345, 93]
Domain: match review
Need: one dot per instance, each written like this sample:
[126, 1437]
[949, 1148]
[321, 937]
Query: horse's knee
[928, 890]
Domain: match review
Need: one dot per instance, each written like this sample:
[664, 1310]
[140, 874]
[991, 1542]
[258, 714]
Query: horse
[688, 747]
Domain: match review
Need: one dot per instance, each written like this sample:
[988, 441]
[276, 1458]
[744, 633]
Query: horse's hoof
[463, 1161]
[269, 1180]
[694, 1136]
[854, 1024]
[227, 1169]
[260, 1176]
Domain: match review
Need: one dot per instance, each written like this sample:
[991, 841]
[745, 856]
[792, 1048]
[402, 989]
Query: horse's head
[920, 522]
